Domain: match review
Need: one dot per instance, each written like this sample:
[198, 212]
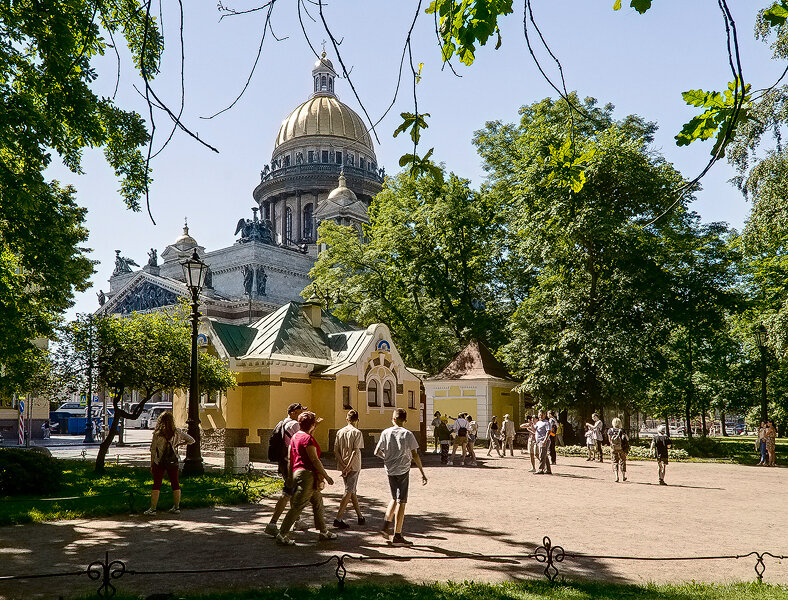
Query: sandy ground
[497, 508]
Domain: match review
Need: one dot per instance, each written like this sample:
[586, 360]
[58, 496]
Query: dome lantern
[323, 74]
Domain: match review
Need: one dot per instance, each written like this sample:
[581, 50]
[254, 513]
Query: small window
[317, 83]
[331, 84]
[372, 394]
[310, 156]
[338, 158]
[351, 160]
[411, 399]
[324, 156]
[388, 396]
[346, 397]
[287, 160]
[362, 162]
[322, 82]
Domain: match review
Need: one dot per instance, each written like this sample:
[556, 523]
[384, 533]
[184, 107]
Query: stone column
[272, 204]
[299, 219]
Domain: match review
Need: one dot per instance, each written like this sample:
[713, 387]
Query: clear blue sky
[639, 63]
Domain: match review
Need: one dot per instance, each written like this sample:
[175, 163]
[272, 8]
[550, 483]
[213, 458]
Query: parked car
[154, 412]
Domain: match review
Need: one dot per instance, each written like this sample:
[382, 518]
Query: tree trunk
[104, 446]
[690, 391]
[703, 422]
[722, 425]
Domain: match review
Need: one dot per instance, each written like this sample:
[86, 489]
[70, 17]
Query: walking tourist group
[293, 447]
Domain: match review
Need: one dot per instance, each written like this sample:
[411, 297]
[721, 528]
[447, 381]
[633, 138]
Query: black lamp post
[761, 337]
[194, 271]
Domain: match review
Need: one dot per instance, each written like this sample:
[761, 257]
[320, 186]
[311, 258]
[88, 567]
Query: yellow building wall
[455, 400]
[505, 401]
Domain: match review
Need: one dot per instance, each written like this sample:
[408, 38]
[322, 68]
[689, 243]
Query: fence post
[341, 571]
[106, 571]
[549, 554]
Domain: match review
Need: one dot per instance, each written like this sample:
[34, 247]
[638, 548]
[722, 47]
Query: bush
[638, 452]
[26, 473]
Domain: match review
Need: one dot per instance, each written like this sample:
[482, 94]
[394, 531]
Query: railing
[311, 168]
[551, 556]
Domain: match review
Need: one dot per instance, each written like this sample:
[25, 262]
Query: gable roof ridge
[474, 361]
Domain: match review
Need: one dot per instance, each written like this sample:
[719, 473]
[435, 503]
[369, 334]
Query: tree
[149, 353]
[426, 266]
[48, 109]
[586, 333]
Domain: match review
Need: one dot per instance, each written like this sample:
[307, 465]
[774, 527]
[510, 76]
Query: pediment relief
[144, 294]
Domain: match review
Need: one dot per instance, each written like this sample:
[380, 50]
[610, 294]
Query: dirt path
[497, 508]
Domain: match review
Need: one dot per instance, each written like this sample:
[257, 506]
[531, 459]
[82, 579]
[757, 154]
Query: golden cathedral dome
[324, 115]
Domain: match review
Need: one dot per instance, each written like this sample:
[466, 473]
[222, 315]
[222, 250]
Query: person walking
[660, 444]
[507, 428]
[348, 445]
[164, 459]
[553, 432]
[436, 421]
[530, 443]
[760, 445]
[460, 438]
[444, 437]
[597, 427]
[542, 438]
[494, 436]
[279, 450]
[398, 448]
[590, 442]
[619, 447]
[770, 437]
[308, 475]
[473, 431]
[559, 434]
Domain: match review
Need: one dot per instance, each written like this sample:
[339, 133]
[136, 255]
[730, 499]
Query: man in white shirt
[508, 431]
[542, 435]
[347, 449]
[460, 429]
[398, 447]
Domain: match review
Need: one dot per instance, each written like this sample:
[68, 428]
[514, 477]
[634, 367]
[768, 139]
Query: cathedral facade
[323, 167]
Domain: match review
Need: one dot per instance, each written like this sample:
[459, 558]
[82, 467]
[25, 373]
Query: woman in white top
[164, 459]
[596, 427]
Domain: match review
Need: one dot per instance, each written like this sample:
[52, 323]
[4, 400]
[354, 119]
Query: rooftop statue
[123, 264]
[255, 230]
[153, 258]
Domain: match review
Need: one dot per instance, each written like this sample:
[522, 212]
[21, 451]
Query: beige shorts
[351, 481]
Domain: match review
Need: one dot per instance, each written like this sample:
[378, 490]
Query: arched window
[288, 224]
[322, 82]
[317, 83]
[308, 218]
[287, 160]
[351, 160]
[388, 396]
[331, 84]
[372, 393]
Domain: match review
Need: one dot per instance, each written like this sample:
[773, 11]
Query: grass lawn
[530, 590]
[738, 449]
[123, 489]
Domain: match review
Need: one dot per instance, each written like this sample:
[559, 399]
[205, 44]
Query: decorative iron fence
[549, 555]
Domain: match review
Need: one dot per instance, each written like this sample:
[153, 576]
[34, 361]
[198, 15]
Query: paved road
[497, 508]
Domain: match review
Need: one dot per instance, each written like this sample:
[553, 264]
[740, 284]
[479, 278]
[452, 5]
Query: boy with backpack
[278, 452]
[443, 436]
[660, 444]
[619, 448]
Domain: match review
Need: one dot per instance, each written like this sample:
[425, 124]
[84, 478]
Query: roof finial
[342, 181]
[324, 48]
[185, 225]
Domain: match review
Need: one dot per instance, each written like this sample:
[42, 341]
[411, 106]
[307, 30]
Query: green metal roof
[235, 338]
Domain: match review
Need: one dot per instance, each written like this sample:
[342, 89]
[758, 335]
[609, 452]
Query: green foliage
[49, 110]
[639, 5]
[464, 23]
[25, 472]
[777, 13]
[427, 267]
[724, 112]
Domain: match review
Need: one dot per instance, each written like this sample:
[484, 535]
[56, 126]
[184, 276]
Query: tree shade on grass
[83, 493]
[528, 590]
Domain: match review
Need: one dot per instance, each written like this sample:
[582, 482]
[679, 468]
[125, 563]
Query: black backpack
[625, 443]
[276, 443]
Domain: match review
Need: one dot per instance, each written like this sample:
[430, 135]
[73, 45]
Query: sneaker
[283, 540]
[400, 541]
[451, 462]
[326, 535]
[361, 520]
[300, 525]
[174, 510]
[150, 512]
[625, 477]
[341, 524]
[272, 530]
[662, 483]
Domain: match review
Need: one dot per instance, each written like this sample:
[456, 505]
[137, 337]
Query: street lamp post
[194, 271]
[761, 337]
